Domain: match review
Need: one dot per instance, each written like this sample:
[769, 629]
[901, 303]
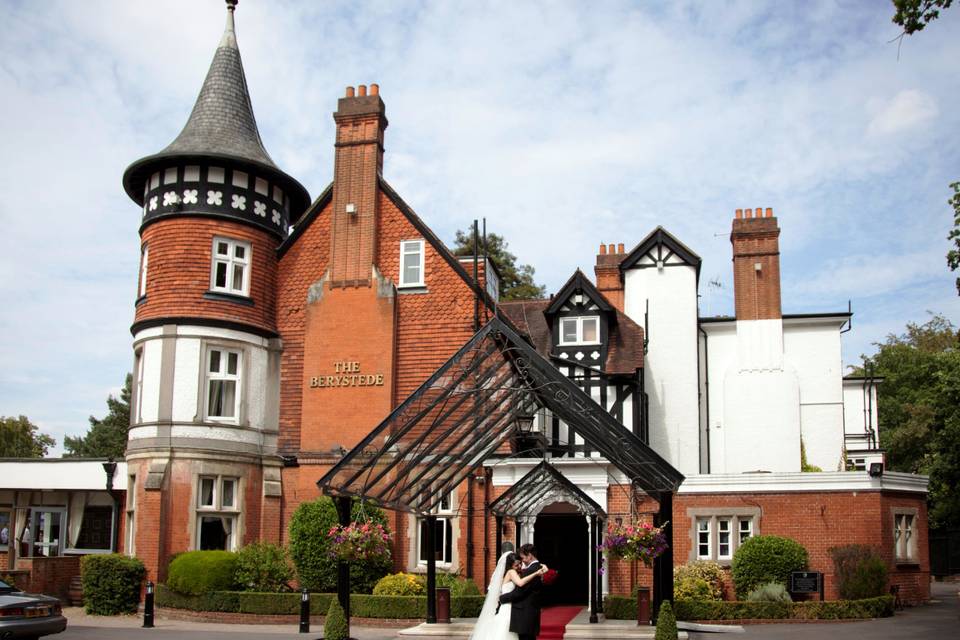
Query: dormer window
[580, 330]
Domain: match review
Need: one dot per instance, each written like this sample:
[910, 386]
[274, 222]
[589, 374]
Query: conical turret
[218, 165]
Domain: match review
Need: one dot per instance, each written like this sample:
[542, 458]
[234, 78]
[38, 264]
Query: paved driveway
[939, 619]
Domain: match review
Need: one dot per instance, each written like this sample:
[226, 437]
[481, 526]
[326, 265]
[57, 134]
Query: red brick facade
[756, 265]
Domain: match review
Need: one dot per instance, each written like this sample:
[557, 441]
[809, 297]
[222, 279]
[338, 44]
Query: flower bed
[361, 605]
[623, 608]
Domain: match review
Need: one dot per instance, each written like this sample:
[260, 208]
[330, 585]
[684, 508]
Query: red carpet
[553, 621]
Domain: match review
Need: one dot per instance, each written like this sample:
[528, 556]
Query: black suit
[525, 605]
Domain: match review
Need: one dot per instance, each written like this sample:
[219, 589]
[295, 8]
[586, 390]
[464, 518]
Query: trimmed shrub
[881, 607]
[310, 549]
[458, 586]
[111, 583]
[399, 584]
[361, 605]
[860, 571]
[698, 580]
[619, 608]
[263, 567]
[666, 623]
[197, 572]
[770, 592]
[335, 627]
[764, 559]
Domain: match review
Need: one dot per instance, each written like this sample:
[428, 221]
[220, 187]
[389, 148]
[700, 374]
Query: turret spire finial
[229, 38]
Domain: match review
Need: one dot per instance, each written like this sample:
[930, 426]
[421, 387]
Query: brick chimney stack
[361, 120]
[756, 264]
[607, 271]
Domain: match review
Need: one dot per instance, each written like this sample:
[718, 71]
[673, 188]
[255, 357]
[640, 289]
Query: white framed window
[130, 530]
[718, 536]
[230, 272]
[411, 263]
[218, 512]
[580, 330]
[222, 386]
[6, 526]
[442, 536]
[904, 536]
[144, 255]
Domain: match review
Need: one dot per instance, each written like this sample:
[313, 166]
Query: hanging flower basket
[634, 542]
[359, 541]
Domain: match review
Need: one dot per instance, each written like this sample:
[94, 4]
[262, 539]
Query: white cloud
[904, 112]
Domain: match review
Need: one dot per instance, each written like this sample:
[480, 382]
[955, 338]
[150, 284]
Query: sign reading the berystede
[347, 374]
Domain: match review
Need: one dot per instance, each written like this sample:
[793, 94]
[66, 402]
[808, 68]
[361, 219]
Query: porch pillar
[663, 565]
[593, 569]
[499, 521]
[519, 527]
[431, 570]
[343, 569]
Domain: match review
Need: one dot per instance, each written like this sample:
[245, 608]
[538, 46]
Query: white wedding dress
[494, 625]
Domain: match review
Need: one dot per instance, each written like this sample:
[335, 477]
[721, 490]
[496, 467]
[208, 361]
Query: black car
[28, 615]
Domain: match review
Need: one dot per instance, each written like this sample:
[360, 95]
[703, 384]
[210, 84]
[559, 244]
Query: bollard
[304, 612]
[643, 606]
[148, 607]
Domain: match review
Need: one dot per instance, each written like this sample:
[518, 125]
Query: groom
[525, 600]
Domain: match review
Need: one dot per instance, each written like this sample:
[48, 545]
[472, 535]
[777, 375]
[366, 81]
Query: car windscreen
[6, 587]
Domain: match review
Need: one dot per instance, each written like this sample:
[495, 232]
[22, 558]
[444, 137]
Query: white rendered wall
[256, 424]
[855, 416]
[670, 365]
[813, 348]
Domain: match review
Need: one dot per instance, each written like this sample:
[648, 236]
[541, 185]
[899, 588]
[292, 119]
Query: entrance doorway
[563, 544]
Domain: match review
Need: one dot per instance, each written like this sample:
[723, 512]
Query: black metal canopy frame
[543, 485]
[465, 412]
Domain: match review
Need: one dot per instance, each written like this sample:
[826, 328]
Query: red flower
[550, 577]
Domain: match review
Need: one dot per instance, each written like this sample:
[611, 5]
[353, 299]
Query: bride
[494, 624]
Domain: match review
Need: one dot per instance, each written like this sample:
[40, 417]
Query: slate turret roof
[221, 125]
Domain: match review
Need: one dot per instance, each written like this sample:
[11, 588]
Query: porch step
[607, 630]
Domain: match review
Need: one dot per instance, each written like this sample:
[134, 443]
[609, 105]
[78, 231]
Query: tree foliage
[20, 438]
[914, 15]
[516, 281]
[919, 409]
[953, 256]
[106, 438]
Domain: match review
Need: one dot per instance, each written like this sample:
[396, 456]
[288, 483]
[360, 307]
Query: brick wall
[50, 576]
[607, 271]
[178, 272]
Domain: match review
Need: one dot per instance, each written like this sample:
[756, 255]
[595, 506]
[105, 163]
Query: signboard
[806, 582]
[346, 374]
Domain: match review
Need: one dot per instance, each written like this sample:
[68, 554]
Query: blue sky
[565, 124]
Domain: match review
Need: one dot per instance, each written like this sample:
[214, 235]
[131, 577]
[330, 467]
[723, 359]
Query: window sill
[412, 289]
[229, 297]
[141, 300]
[579, 344]
[907, 563]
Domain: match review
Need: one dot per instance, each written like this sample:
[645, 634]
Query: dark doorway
[562, 544]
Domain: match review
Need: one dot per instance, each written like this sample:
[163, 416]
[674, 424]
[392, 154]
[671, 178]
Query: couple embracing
[511, 610]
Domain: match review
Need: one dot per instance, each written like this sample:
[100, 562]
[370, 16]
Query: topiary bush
[335, 627]
[263, 567]
[770, 592]
[764, 559]
[400, 584]
[666, 623]
[197, 572]
[860, 571]
[111, 583]
[698, 580]
[309, 548]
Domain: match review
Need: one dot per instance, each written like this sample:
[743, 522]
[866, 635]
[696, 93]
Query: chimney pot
[769, 212]
[374, 89]
[759, 211]
[611, 249]
[603, 249]
[739, 213]
[362, 90]
[350, 92]
[620, 248]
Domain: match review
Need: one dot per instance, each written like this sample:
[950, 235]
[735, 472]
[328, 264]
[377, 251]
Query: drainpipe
[706, 390]
[110, 467]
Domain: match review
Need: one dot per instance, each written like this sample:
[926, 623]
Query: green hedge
[199, 572]
[111, 583]
[764, 559]
[623, 608]
[361, 605]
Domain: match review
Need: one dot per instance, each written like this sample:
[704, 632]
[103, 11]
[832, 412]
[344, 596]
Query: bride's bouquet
[359, 541]
[634, 542]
